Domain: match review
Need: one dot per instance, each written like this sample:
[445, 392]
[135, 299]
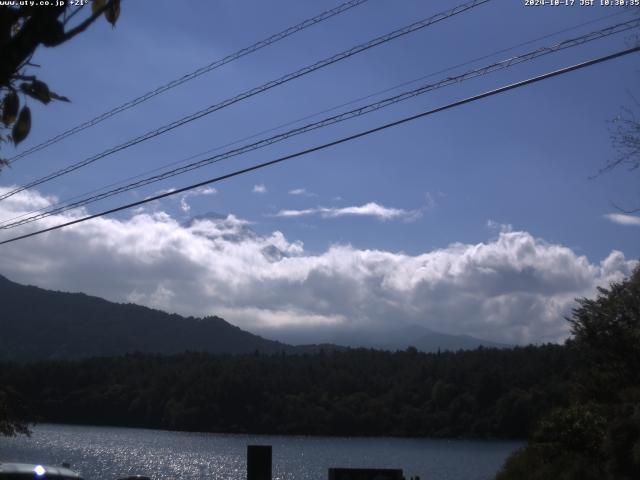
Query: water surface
[107, 452]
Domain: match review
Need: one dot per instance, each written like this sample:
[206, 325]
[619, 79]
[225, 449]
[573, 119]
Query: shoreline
[286, 435]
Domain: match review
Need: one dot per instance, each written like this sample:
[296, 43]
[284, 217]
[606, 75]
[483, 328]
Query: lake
[108, 452]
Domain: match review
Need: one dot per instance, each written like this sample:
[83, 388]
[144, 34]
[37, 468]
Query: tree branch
[623, 210]
[71, 15]
[84, 25]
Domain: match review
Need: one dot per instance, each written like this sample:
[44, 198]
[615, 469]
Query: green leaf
[55, 96]
[22, 127]
[96, 5]
[38, 90]
[51, 32]
[113, 12]
[10, 106]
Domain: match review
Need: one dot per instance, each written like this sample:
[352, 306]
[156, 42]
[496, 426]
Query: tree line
[482, 393]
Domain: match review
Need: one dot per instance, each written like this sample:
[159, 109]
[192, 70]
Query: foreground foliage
[598, 435]
[13, 416]
[25, 26]
[480, 393]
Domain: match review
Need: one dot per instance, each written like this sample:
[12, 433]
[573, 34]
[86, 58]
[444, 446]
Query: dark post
[365, 474]
[258, 462]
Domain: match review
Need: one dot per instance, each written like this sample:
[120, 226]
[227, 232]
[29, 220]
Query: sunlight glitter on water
[107, 453]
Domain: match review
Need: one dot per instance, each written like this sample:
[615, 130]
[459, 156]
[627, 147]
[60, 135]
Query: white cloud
[265, 318]
[302, 192]
[260, 188]
[514, 288]
[297, 213]
[430, 201]
[161, 192]
[182, 198]
[202, 191]
[370, 209]
[499, 227]
[623, 219]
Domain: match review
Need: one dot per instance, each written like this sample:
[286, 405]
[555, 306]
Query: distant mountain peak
[217, 226]
[400, 338]
[204, 216]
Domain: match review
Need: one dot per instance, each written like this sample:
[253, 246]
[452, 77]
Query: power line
[4, 223]
[236, 173]
[254, 91]
[622, 27]
[190, 76]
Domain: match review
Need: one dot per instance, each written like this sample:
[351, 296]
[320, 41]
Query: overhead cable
[190, 76]
[254, 91]
[123, 181]
[236, 173]
[363, 110]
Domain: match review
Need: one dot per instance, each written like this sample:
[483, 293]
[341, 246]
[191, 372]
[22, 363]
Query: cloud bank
[513, 288]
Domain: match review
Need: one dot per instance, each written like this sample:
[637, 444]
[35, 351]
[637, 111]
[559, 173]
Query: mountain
[429, 340]
[397, 338]
[231, 229]
[38, 324]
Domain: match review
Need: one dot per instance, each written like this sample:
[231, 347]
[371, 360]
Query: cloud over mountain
[513, 288]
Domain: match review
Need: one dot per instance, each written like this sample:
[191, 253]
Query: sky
[489, 219]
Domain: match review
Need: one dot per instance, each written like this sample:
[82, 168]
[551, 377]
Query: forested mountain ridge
[39, 324]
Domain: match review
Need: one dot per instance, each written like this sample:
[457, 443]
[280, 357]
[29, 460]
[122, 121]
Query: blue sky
[516, 164]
